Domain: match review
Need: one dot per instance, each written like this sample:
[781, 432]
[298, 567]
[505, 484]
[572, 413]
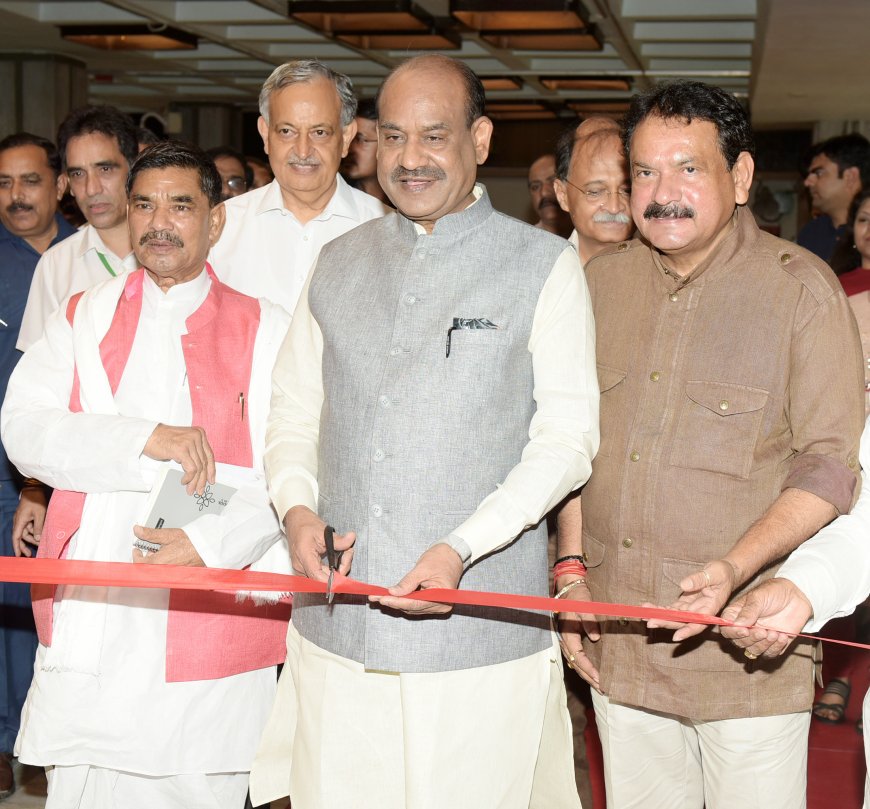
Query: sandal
[833, 712]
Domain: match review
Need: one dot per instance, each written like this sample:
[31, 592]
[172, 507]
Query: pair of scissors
[332, 560]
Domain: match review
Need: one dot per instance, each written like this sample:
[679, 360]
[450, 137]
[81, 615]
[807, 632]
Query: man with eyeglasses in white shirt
[592, 186]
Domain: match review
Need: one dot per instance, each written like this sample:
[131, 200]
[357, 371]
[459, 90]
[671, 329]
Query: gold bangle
[570, 586]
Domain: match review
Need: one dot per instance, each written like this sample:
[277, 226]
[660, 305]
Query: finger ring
[750, 655]
[707, 577]
[570, 658]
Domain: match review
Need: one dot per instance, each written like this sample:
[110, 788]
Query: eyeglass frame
[597, 196]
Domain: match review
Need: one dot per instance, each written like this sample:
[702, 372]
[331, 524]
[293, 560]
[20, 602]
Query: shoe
[7, 777]
[833, 713]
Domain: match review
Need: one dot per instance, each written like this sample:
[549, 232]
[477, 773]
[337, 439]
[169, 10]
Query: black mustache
[547, 201]
[161, 236]
[670, 211]
[19, 206]
[425, 173]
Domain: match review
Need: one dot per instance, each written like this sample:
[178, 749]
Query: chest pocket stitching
[479, 337]
[608, 380]
[736, 398]
[609, 377]
[726, 444]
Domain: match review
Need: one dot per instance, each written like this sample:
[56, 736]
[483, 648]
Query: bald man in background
[592, 186]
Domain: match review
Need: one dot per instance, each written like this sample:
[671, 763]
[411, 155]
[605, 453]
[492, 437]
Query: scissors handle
[331, 560]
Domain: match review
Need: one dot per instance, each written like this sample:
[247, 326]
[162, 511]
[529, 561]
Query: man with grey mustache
[592, 186]
[731, 408]
[273, 234]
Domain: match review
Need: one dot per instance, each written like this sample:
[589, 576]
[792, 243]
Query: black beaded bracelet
[572, 558]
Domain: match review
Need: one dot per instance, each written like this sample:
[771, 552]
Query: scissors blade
[331, 560]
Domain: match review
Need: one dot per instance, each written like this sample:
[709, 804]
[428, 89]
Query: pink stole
[209, 634]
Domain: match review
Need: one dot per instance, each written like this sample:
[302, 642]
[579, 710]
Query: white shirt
[563, 432]
[70, 266]
[125, 716]
[265, 252]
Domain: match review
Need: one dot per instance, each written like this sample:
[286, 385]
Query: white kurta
[73, 265]
[125, 716]
[832, 569]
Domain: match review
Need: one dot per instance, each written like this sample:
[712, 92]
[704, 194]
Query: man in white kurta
[437, 456]
[273, 234]
[97, 146]
[101, 715]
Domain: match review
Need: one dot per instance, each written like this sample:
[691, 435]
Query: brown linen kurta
[718, 391]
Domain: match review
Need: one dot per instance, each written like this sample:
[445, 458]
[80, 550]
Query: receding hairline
[597, 142]
[431, 64]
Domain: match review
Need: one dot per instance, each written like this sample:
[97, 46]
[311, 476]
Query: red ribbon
[126, 574]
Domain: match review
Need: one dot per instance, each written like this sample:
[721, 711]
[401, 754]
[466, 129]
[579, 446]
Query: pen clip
[450, 334]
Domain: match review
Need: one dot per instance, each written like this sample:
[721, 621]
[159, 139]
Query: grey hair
[305, 70]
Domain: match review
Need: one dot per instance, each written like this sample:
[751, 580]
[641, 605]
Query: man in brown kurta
[731, 408]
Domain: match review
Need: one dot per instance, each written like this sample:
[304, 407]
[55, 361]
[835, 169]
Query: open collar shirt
[266, 252]
[72, 266]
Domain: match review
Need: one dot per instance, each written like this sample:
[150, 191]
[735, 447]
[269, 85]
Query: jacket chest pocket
[718, 428]
[611, 383]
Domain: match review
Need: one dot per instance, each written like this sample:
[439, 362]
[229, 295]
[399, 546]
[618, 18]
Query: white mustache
[607, 218]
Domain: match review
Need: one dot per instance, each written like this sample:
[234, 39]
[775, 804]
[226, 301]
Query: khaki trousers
[663, 761]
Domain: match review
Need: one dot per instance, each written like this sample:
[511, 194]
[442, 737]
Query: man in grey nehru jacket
[436, 396]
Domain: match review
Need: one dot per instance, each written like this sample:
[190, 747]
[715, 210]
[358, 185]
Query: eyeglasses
[598, 196]
[237, 184]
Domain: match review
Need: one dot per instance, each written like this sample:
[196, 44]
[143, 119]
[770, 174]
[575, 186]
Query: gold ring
[750, 655]
[570, 658]
[707, 577]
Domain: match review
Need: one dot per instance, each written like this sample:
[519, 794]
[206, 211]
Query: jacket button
[723, 405]
[635, 456]
[627, 542]
[655, 376]
[673, 296]
[785, 258]
[622, 247]
[377, 510]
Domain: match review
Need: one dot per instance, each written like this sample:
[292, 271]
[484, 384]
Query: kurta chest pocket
[718, 427]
